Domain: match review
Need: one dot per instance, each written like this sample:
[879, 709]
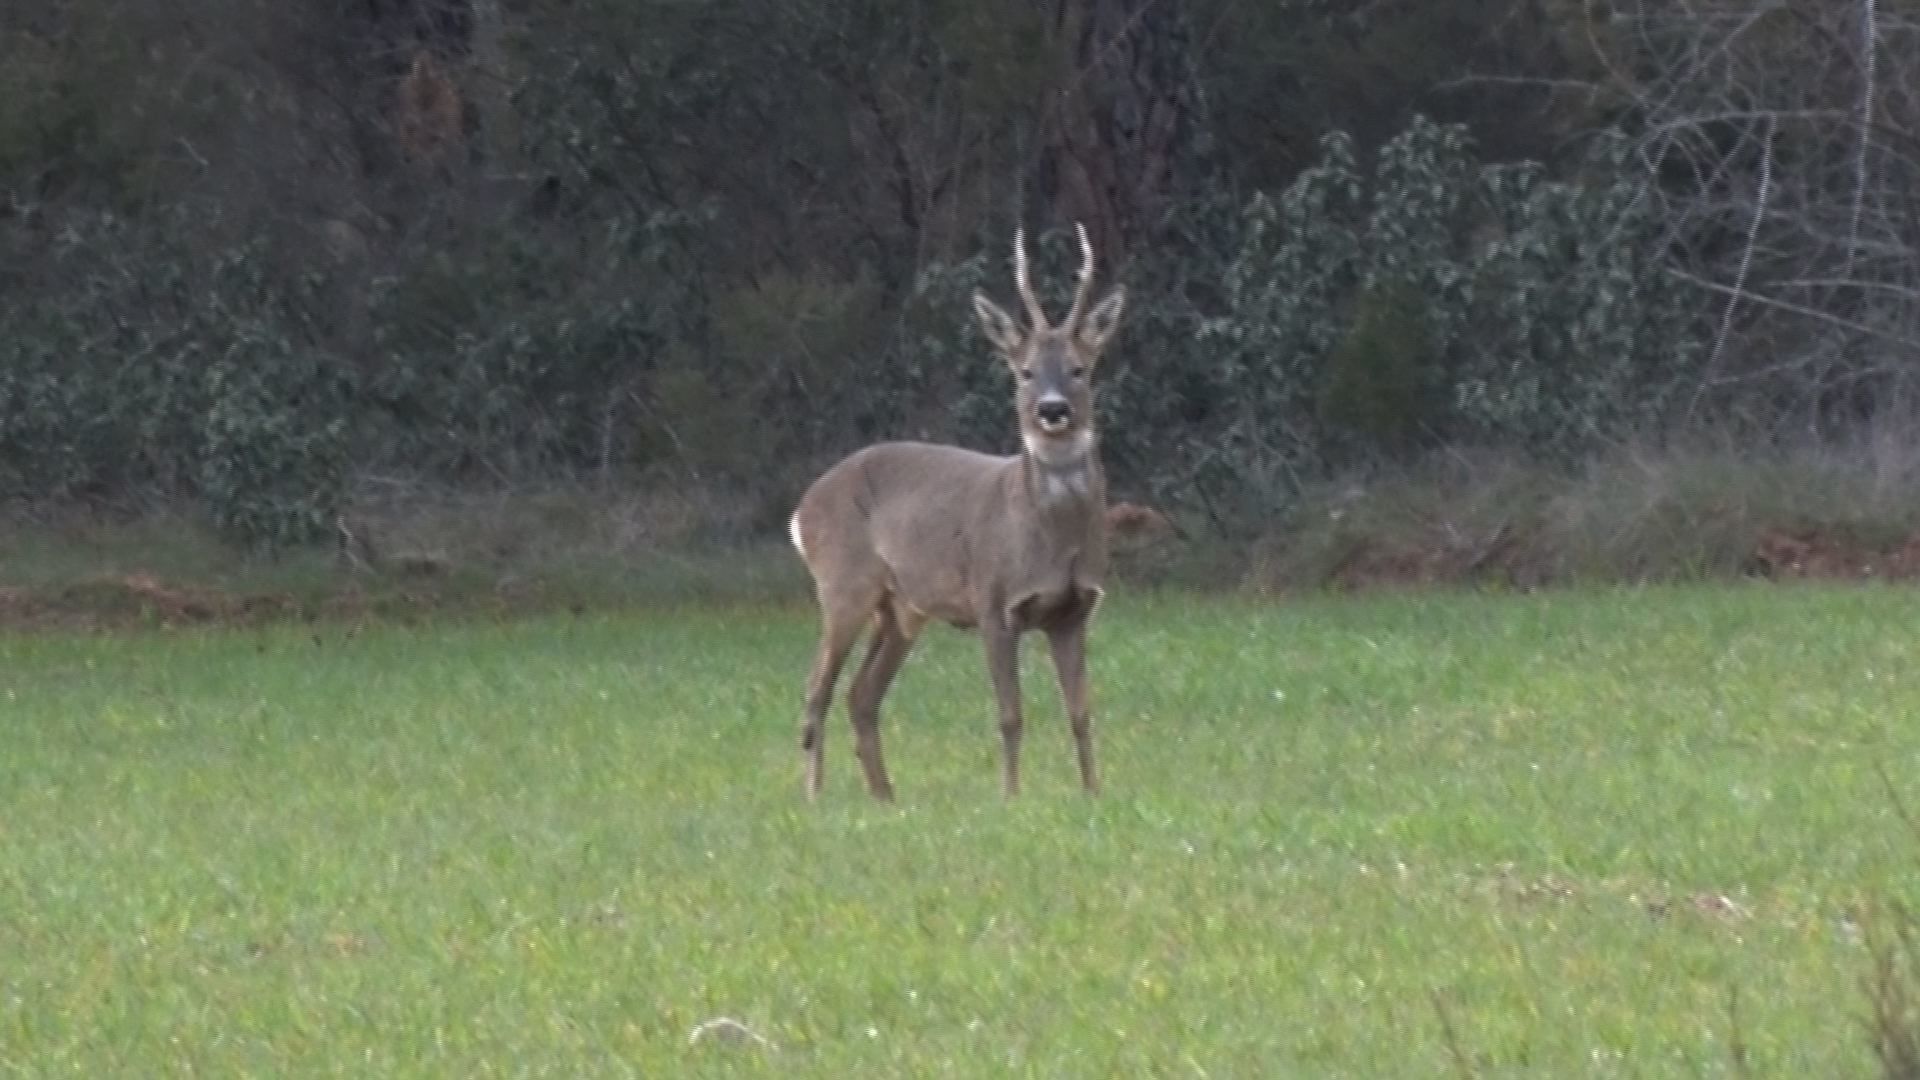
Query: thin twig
[1736, 1036]
[1746, 260]
[1893, 796]
[1904, 292]
[726, 1027]
[1795, 309]
[1870, 33]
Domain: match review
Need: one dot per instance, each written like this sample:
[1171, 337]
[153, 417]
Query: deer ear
[1101, 322]
[997, 325]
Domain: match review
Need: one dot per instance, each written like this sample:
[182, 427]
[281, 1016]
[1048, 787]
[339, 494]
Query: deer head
[1053, 365]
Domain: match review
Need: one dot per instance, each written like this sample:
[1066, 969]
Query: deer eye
[1026, 374]
[1078, 371]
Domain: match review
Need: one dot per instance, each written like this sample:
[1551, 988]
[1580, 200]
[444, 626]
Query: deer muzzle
[1054, 414]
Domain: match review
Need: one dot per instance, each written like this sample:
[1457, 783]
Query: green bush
[273, 465]
[516, 355]
[806, 348]
[1429, 298]
[1375, 386]
[156, 359]
[144, 370]
[1437, 299]
[1425, 297]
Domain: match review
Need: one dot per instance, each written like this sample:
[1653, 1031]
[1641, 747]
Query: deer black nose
[1053, 411]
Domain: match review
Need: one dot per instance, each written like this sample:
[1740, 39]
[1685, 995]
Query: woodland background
[271, 259]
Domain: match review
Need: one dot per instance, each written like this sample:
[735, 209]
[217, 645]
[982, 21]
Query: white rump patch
[793, 530]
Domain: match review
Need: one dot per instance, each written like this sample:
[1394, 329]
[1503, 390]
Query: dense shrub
[272, 461]
[724, 241]
[518, 354]
[1438, 299]
[1428, 298]
[145, 370]
[1376, 389]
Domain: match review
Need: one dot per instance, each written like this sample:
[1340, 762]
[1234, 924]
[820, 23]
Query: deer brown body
[902, 534]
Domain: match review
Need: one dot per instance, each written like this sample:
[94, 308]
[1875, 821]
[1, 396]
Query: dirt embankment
[145, 600]
[1511, 559]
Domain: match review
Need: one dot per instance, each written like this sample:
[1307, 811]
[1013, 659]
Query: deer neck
[1061, 478]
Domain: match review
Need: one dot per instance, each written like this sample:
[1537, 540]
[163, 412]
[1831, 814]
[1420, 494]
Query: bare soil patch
[143, 600]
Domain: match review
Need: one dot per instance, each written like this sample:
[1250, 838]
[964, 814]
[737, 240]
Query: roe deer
[902, 533]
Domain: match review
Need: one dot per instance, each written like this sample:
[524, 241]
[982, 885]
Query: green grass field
[1597, 833]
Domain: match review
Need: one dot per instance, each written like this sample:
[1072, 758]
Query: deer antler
[1035, 315]
[1086, 278]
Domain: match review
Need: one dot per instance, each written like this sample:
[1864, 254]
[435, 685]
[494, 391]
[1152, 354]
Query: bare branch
[1746, 257]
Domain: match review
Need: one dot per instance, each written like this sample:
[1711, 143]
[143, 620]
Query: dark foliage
[248, 253]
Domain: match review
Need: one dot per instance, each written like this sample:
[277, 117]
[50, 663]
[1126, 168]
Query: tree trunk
[1125, 132]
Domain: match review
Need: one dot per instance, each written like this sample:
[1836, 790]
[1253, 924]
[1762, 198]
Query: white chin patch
[1060, 451]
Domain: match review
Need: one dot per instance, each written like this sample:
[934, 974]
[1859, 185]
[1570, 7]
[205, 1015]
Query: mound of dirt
[1808, 554]
[1131, 526]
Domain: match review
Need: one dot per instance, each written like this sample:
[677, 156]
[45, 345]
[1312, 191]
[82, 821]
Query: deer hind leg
[1067, 641]
[893, 637]
[840, 629]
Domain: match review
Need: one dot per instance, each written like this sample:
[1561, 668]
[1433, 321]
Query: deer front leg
[1068, 644]
[1003, 664]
